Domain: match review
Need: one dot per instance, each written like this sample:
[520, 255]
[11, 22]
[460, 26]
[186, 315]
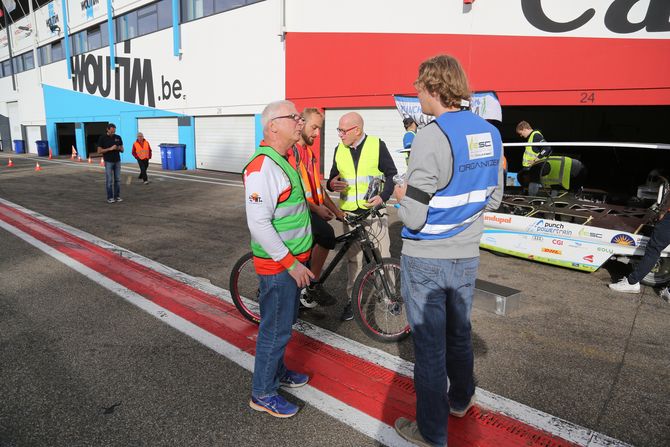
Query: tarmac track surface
[574, 350]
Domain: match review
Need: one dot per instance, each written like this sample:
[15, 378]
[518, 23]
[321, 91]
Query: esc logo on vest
[480, 145]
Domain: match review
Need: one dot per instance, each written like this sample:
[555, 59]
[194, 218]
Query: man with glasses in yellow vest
[281, 241]
[359, 158]
[321, 206]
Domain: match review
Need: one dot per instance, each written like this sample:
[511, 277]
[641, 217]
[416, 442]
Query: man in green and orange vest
[281, 242]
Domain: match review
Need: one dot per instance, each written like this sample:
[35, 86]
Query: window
[7, 68]
[225, 5]
[57, 51]
[17, 64]
[94, 39]
[28, 60]
[195, 9]
[79, 43]
[164, 8]
[126, 26]
[145, 20]
[44, 55]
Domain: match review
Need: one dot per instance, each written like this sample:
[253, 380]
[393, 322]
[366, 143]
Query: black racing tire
[245, 288]
[379, 316]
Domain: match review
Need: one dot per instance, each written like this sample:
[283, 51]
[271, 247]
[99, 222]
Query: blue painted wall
[66, 106]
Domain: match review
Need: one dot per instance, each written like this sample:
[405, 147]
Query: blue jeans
[113, 179]
[438, 297]
[279, 298]
[660, 238]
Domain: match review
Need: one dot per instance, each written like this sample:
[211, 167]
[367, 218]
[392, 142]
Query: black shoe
[316, 292]
[347, 313]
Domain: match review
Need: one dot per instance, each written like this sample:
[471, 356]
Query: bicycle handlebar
[353, 219]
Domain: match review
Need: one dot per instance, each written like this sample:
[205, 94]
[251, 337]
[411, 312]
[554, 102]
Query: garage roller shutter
[33, 134]
[224, 143]
[157, 131]
[383, 123]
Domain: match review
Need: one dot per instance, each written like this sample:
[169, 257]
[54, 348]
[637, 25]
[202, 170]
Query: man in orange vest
[142, 153]
[321, 207]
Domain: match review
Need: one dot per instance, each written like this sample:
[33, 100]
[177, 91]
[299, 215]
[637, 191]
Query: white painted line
[523, 413]
[356, 419]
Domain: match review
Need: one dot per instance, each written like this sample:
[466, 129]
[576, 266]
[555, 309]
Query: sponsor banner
[49, 19]
[82, 11]
[484, 104]
[22, 34]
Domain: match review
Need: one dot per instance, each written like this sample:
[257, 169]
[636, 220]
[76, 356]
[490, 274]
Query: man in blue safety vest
[454, 175]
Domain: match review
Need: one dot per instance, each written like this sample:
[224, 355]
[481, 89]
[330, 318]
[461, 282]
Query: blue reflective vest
[476, 148]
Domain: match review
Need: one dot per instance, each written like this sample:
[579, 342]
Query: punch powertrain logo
[556, 228]
[623, 239]
[496, 219]
[255, 198]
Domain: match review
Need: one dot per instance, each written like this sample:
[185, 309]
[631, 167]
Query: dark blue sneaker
[275, 405]
[293, 379]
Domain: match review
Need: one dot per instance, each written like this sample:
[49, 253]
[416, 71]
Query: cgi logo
[557, 242]
[623, 239]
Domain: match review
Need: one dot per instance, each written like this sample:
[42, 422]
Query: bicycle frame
[357, 234]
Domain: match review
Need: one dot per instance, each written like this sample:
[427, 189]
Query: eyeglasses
[294, 116]
[343, 132]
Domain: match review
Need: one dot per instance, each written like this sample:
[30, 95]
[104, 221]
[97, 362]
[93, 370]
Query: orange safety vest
[142, 150]
[311, 183]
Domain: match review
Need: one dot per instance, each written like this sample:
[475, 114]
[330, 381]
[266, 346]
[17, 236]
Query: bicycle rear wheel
[378, 305]
[245, 288]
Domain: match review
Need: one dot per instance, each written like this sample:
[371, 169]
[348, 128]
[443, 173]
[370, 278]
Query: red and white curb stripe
[363, 387]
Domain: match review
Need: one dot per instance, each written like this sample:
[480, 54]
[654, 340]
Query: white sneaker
[624, 286]
[665, 295]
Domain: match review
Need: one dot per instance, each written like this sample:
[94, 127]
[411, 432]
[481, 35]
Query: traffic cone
[50, 154]
[89, 160]
[102, 162]
[37, 166]
[74, 153]
[10, 164]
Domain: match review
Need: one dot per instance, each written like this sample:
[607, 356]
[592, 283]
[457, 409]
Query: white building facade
[199, 72]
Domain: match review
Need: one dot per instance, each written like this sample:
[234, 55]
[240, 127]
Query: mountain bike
[377, 303]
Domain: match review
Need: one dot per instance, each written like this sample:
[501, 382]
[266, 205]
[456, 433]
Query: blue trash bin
[173, 156]
[42, 148]
[19, 147]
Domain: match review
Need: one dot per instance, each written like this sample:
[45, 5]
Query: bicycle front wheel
[378, 305]
[245, 288]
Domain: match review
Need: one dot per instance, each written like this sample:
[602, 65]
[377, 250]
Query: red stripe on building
[377, 391]
[365, 70]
